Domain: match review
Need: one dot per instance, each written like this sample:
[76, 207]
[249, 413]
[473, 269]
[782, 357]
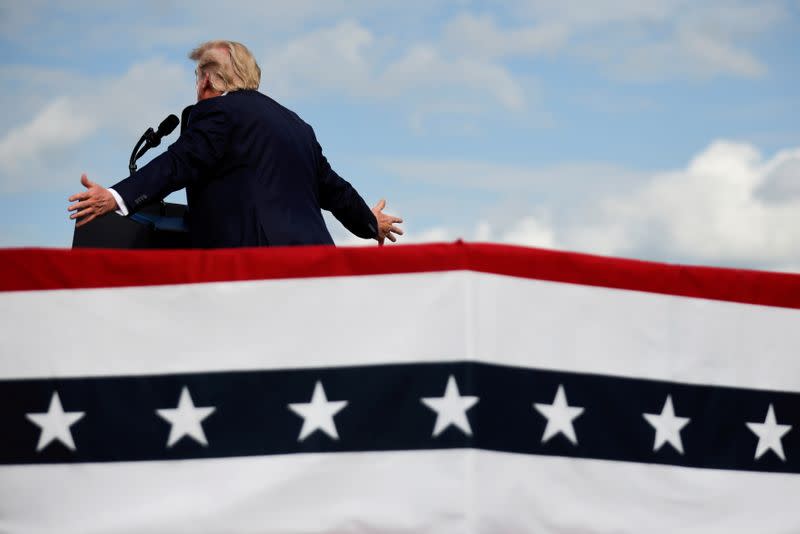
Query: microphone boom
[152, 139]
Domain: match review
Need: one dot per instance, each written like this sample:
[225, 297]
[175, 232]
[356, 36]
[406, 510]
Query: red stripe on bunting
[38, 269]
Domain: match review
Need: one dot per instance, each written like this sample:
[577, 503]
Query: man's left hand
[92, 203]
[386, 223]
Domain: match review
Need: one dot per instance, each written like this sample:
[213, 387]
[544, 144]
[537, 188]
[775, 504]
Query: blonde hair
[229, 64]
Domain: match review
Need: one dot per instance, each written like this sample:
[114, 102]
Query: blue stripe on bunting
[384, 412]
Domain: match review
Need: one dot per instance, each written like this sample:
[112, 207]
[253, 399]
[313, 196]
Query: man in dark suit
[254, 172]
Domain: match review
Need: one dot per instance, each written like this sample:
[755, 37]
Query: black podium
[160, 225]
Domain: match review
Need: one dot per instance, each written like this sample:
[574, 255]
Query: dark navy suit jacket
[254, 175]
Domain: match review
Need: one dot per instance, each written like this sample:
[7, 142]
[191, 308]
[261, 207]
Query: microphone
[152, 139]
[165, 128]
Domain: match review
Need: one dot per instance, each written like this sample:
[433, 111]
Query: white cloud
[709, 211]
[334, 58]
[437, 234]
[147, 25]
[483, 231]
[714, 56]
[687, 54]
[530, 231]
[782, 181]
[123, 106]
[464, 68]
[142, 96]
[461, 71]
[594, 13]
[347, 58]
[55, 128]
[479, 36]
[570, 178]
[424, 68]
[656, 40]
[728, 206]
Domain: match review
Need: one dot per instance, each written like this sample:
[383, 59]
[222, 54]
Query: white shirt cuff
[123, 209]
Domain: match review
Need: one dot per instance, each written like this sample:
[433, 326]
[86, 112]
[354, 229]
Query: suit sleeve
[190, 159]
[340, 198]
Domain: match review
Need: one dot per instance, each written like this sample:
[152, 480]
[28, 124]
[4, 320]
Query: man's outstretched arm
[340, 198]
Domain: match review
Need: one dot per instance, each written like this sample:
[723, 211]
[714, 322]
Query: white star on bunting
[55, 424]
[769, 435]
[668, 426]
[318, 414]
[559, 416]
[451, 409]
[186, 419]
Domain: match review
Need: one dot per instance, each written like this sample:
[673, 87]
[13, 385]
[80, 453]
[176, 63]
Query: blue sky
[656, 129]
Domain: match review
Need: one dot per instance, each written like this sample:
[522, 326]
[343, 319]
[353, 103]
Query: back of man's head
[229, 65]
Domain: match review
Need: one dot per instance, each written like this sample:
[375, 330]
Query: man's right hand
[386, 223]
[92, 203]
